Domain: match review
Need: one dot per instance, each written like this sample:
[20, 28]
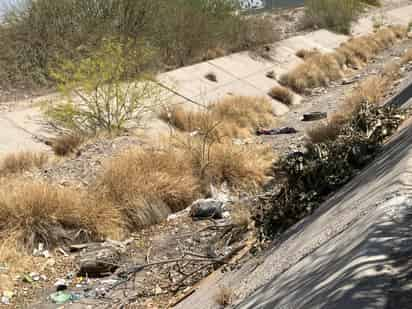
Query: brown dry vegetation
[66, 144]
[38, 212]
[407, 57]
[281, 94]
[232, 117]
[147, 184]
[372, 90]
[224, 297]
[306, 53]
[392, 70]
[22, 161]
[319, 69]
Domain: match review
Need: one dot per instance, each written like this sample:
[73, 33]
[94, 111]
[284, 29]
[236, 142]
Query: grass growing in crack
[319, 70]
[281, 94]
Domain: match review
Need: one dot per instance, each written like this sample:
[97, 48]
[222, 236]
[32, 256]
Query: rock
[206, 208]
[100, 259]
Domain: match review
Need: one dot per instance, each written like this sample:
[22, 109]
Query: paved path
[241, 73]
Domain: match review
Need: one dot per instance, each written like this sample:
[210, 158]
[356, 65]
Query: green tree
[108, 90]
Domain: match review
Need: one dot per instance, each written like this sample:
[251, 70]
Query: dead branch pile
[308, 177]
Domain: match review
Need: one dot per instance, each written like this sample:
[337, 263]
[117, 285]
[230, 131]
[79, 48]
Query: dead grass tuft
[281, 94]
[224, 297]
[328, 131]
[232, 117]
[371, 90]
[392, 70]
[407, 58]
[211, 77]
[147, 184]
[306, 53]
[22, 161]
[319, 69]
[66, 144]
[39, 212]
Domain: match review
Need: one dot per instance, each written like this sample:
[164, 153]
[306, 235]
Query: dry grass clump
[66, 144]
[319, 69]
[306, 53]
[241, 167]
[22, 161]
[39, 212]
[224, 297]
[328, 131]
[148, 184]
[392, 70]
[371, 90]
[281, 94]
[407, 57]
[233, 117]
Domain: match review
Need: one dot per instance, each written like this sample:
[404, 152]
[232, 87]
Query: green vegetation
[336, 15]
[97, 97]
[39, 33]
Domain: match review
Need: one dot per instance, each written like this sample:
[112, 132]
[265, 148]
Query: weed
[281, 94]
[66, 144]
[224, 297]
[22, 161]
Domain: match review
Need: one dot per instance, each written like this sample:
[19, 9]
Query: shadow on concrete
[367, 266]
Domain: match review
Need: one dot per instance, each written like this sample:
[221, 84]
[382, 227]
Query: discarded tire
[313, 116]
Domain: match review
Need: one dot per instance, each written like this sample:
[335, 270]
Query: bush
[148, 184]
[230, 117]
[40, 212]
[407, 58]
[336, 15]
[97, 98]
[281, 94]
[40, 32]
[66, 144]
[22, 161]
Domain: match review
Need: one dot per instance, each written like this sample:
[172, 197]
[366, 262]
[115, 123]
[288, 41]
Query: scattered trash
[158, 290]
[61, 284]
[61, 297]
[41, 252]
[64, 253]
[5, 300]
[277, 131]
[206, 208]
[312, 116]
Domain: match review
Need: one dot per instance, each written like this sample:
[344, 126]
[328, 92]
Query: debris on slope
[309, 176]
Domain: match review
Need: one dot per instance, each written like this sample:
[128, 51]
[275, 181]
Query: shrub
[40, 32]
[319, 69]
[281, 94]
[97, 98]
[40, 212]
[306, 53]
[22, 161]
[332, 14]
[66, 144]
[407, 58]
[147, 184]
[329, 131]
[211, 76]
[392, 70]
[224, 297]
